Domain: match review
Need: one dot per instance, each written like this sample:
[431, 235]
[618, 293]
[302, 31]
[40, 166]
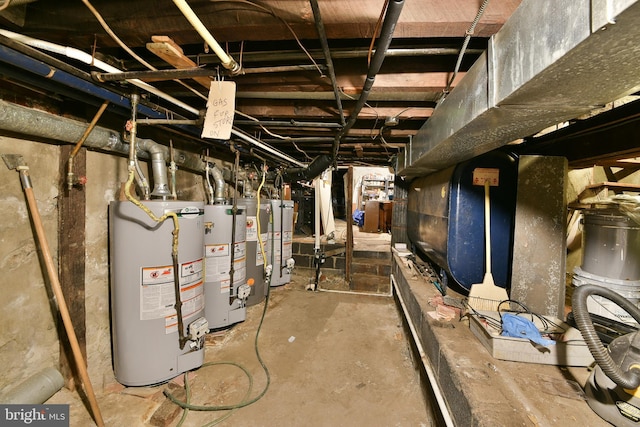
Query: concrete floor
[334, 359]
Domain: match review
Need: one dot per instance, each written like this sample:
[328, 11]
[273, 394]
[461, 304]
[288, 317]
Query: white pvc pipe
[81, 56]
[369, 294]
[442, 404]
[89, 60]
[227, 62]
[266, 147]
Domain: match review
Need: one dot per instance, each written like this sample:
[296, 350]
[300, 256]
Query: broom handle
[487, 226]
[62, 305]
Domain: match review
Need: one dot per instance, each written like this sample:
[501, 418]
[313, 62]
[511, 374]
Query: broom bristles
[486, 296]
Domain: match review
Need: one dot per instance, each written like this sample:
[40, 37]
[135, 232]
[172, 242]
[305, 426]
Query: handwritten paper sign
[220, 109]
[481, 175]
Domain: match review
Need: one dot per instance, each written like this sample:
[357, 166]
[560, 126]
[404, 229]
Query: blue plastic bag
[358, 217]
[520, 327]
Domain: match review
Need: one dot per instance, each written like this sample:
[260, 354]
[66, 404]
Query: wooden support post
[71, 257]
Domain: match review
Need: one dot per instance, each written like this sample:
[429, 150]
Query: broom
[486, 296]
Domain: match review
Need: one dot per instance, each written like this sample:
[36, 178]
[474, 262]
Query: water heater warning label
[157, 293]
[252, 229]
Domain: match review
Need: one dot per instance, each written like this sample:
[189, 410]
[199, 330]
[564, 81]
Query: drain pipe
[426, 363]
[386, 35]
[322, 34]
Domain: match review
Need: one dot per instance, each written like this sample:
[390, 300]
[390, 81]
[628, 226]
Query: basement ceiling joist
[272, 33]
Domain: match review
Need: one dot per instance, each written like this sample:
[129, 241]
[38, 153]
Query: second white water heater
[226, 288]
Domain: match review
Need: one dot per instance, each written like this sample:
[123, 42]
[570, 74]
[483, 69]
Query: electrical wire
[271, 12]
[547, 326]
[467, 38]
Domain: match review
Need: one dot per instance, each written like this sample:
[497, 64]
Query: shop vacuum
[612, 390]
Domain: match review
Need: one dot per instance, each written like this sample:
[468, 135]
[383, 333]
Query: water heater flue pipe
[158, 155]
[227, 62]
[218, 179]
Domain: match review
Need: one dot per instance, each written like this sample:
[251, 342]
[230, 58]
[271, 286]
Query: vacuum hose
[629, 380]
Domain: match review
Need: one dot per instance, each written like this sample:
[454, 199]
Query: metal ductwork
[535, 73]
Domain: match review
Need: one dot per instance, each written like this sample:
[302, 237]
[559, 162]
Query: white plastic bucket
[629, 289]
[611, 244]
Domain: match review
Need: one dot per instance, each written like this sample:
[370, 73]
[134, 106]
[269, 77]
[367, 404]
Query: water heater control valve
[290, 264]
[268, 271]
[244, 291]
[198, 328]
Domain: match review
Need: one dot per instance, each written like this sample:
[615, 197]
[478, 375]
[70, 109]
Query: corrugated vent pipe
[36, 389]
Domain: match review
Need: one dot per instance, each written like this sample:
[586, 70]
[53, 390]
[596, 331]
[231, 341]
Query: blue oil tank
[445, 219]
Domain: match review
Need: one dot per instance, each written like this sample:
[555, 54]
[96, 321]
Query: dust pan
[486, 296]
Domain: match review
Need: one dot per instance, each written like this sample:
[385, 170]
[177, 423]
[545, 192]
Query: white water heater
[146, 343]
[281, 241]
[255, 259]
[225, 255]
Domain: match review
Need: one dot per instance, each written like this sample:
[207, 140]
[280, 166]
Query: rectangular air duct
[552, 61]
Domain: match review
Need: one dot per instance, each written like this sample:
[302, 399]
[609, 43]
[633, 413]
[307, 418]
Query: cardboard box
[570, 348]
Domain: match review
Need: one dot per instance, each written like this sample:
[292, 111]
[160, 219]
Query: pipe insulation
[315, 168]
[75, 81]
[29, 64]
[36, 389]
[40, 124]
